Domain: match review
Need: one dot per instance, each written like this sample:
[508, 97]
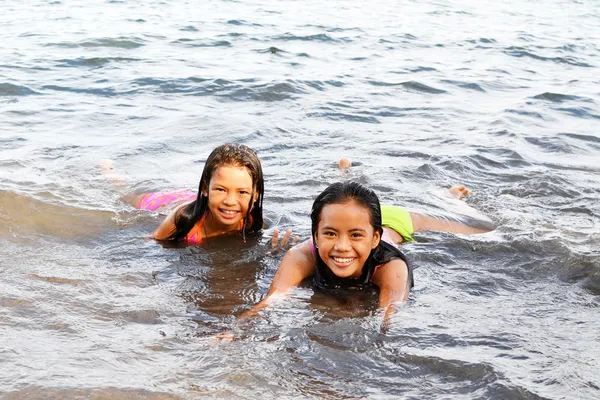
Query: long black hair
[343, 192]
[230, 154]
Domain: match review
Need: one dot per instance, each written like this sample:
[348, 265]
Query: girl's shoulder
[392, 272]
[391, 262]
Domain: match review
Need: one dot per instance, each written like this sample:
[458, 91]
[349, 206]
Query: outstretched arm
[297, 265]
[392, 280]
[422, 222]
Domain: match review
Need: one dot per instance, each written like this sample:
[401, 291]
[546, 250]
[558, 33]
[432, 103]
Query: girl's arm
[392, 280]
[297, 265]
[167, 227]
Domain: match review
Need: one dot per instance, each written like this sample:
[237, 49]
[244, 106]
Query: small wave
[585, 271]
[552, 257]
[390, 112]
[168, 85]
[449, 12]
[320, 37]
[515, 51]
[11, 144]
[317, 85]
[320, 85]
[465, 85]
[470, 379]
[585, 138]
[271, 50]
[8, 89]
[558, 97]
[547, 187]
[189, 28]
[123, 43]
[336, 116]
[104, 92]
[200, 43]
[192, 86]
[264, 92]
[550, 145]
[93, 61]
[422, 69]
[580, 112]
[240, 22]
[337, 29]
[414, 70]
[377, 83]
[25, 217]
[335, 83]
[510, 160]
[415, 86]
[525, 113]
[237, 22]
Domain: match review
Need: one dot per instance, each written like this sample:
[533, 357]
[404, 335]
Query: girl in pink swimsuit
[229, 199]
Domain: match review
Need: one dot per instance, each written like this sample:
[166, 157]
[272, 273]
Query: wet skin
[345, 238]
[229, 193]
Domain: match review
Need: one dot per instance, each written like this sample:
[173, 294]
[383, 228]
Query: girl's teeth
[343, 260]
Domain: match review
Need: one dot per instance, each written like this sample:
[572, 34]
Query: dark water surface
[502, 97]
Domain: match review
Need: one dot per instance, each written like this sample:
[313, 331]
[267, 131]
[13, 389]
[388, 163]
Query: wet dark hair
[230, 154]
[344, 192]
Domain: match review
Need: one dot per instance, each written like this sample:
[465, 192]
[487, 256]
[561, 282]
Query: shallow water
[502, 97]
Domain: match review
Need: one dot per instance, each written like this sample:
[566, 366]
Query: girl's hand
[285, 241]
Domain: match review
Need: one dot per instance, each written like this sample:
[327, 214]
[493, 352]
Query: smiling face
[345, 238]
[229, 193]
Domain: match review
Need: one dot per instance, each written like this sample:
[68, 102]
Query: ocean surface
[502, 97]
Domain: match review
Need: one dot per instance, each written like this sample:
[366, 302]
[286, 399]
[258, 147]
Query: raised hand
[285, 240]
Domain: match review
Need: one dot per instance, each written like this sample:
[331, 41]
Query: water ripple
[465, 85]
[202, 43]
[122, 42]
[559, 97]
[320, 37]
[9, 89]
[93, 61]
[518, 52]
[414, 86]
